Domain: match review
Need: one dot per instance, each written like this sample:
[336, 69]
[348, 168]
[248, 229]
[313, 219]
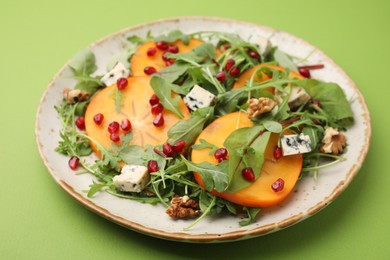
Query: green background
[38, 220]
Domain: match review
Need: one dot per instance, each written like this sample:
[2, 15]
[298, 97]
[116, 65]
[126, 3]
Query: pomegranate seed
[277, 152]
[173, 49]
[113, 127]
[157, 109]
[235, 71]
[80, 123]
[152, 166]
[254, 55]
[149, 70]
[248, 174]
[114, 137]
[154, 100]
[168, 150]
[278, 185]
[179, 146]
[73, 162]
[221, 153]
[151, 52]
[315, 102]
[98, 118]
[221, 76]
[126, 125]
[305, 73]
[164, 56]
[229, 64]
[122, 83]
[158, 120]
[162, 45]
[169, 63]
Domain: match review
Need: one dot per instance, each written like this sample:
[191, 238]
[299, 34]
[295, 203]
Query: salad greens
[246, 146]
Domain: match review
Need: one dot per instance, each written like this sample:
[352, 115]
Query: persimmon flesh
[260, 193]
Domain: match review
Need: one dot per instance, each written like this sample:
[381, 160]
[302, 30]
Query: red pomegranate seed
[126, 125]
[122, 83]
[254, 55]
[235, 71]
[98, 118]
[315, 102]
[113, 127]
[221, 153]
[248, 174]
[277, 152]
[157, 109]
[229, 64]
[179, 146]
[158, 120]
[114, 137]
[169, 63]
[80, 123]
[152, 166]
[278, 185]
[173, 48]
[149, 70]
[151, 52]
[168, 150]
[162, 45]
[164, 56]
[312, 67]
[154, 100]
[221, 76]
[73, 162]
[305, 73]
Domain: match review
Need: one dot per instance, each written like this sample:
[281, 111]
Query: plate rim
[210, 238]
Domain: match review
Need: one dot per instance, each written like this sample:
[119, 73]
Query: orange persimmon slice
[259, 194]
[135, 106]
[246, 76]
[140, 59]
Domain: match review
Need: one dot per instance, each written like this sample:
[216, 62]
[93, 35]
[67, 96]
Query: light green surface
[38, 220]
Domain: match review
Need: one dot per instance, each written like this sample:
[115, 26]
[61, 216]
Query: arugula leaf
[163, 89]
[213, 176]
[133, 154]
[173, 36]
[205, 145]
[315, 134]
[173, 72]
[251, 216]
[246, 148]
[83, 63]
[95, 187]
[137, 40]
[188, 130]
[284, 60]
[273, 126]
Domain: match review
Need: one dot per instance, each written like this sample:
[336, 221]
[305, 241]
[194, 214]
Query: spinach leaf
[246, 148]
[333, 101]
[163, 89]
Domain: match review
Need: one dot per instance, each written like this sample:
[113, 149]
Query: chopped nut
[334, 141]
[75, 95]
[259, 106]
[183, 207]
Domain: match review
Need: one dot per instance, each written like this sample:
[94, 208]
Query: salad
[202, 123]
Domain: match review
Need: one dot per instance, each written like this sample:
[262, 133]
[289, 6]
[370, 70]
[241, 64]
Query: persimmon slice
[259, 194]
[246, 76]
[135, 106]
[140, 59]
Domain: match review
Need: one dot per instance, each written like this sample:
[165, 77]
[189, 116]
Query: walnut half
[183, 207]
[259, 106]
[333, 141]
[75, 95]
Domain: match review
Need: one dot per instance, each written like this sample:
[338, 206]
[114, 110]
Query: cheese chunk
[119, 71]
[298, 96]
[198, 98]
[295, 144]
[133, 178]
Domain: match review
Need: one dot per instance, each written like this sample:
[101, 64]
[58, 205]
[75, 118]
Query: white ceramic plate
[309, 196]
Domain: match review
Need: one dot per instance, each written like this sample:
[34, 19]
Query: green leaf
[133, 154]
[94, 188]
[173, 72]
[163, 89]
[273, 126]
[315, 135]
[246, 148]
[83, 63]
[251, 216]
[173, 36]
[205, 145]
[213, 176]
[284, 60]
[188, 130]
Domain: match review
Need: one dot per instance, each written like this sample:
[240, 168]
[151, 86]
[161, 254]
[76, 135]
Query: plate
[309, 196]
